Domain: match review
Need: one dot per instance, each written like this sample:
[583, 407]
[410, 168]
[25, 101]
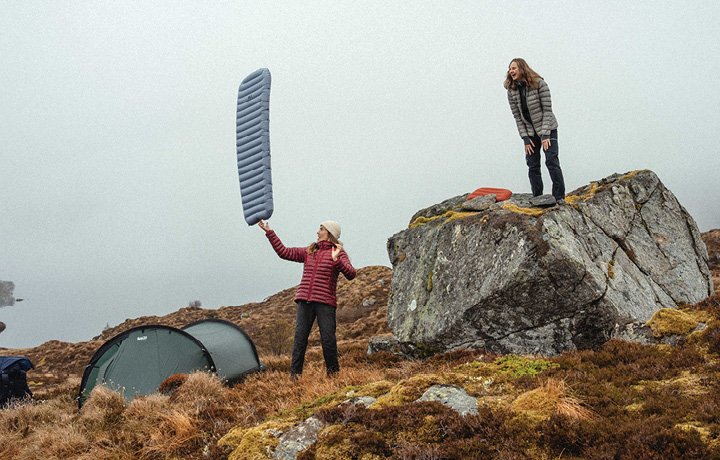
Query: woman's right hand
[529, 148]
[264, 226]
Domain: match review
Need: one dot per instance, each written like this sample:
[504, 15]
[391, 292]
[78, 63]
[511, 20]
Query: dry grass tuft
[199, 386]
[67, 388]
[155, 428]
[103, 410]
[552, 397]
[23, 418]
[58, 441]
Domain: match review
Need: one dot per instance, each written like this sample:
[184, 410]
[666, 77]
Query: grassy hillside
[624, 400]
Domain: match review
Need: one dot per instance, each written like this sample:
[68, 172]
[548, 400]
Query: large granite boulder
[512, 278]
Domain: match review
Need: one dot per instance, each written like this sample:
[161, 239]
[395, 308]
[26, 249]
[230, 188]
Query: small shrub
[172, 383]
[275, 338]
[521, 366]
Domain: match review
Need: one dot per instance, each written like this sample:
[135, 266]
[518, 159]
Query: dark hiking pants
[307, 312]
[553, 165]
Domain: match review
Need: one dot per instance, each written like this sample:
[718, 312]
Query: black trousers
[306, 314]
[553, 165]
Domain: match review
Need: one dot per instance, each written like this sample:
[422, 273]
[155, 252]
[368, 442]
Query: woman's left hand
[546, 144]
[336, 251]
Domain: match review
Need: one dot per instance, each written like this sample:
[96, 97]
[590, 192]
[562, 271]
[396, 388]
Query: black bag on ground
[13, 378]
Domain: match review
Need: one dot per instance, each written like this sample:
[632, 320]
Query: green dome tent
[137, 361]
[232, 351]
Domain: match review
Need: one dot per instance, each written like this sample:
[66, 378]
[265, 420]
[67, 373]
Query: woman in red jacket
[323, 261]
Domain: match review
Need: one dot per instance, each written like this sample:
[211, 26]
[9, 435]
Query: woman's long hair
[529, 75]
[312, 247]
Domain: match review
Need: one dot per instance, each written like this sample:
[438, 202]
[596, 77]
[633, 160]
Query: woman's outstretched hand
[336, 251]
[264, 226]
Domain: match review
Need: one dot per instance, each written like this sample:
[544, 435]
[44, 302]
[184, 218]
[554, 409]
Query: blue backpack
[13, 378]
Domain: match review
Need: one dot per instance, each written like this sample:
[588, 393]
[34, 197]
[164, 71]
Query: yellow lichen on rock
[631, 174]
[424, 220]
[449, 216]
[512, 207]
[456, 215]
[590, 192]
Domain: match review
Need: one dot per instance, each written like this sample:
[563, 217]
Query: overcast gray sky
[118, 185]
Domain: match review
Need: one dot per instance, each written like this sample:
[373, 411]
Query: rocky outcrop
[6, 293]
[512, 278]
[297, 439]
[453, 397]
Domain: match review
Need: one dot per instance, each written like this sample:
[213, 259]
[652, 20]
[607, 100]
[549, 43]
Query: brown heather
[621, 401]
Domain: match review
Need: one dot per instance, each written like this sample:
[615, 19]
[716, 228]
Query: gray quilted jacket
[540, 108]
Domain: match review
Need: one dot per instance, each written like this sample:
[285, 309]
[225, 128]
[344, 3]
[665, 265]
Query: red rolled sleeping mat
[501, 194]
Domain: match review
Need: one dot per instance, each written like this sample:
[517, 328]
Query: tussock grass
[550, 398]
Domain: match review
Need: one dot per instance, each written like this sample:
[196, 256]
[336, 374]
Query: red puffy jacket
[320, 272]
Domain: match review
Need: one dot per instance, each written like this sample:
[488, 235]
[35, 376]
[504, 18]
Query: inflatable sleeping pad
[501, 194]
[253, 146]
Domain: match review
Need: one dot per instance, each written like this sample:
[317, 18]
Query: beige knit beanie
[332, 227]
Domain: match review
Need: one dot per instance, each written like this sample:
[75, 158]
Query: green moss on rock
[671, 321]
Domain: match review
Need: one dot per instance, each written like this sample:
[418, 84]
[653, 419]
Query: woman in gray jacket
[529, 98]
